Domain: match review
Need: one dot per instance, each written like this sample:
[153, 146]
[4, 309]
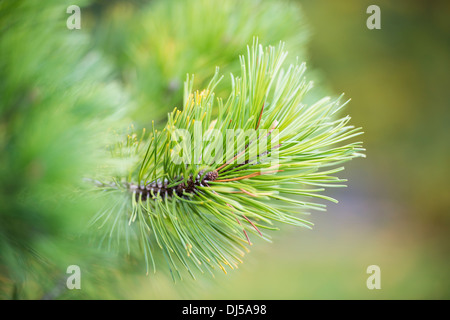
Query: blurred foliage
[155, 44]
[56, 107]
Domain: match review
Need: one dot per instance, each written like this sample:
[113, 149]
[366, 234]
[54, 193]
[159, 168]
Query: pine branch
[199, 201]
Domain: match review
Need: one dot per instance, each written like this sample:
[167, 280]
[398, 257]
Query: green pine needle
[200, 202]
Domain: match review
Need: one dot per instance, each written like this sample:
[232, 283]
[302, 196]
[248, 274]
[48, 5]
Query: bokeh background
[395, 212]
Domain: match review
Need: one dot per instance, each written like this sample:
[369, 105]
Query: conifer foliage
[199, 194]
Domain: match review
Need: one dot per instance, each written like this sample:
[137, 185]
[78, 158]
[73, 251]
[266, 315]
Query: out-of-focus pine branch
[57, 103]
[156, 43]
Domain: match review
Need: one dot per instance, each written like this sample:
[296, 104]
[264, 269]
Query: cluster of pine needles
[200, 201]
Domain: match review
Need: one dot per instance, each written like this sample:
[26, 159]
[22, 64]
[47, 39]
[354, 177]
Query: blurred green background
[395, 212]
